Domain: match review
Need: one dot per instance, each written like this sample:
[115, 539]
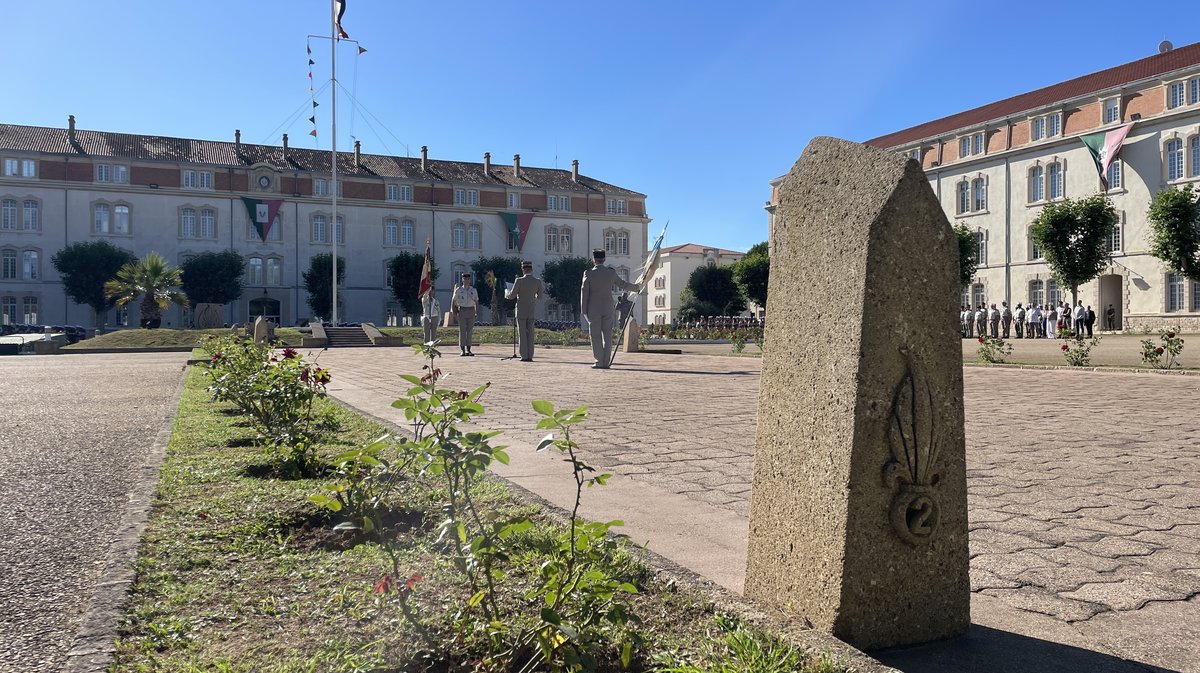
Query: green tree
[968, 254]
[564, 279]
[1175, 230]
[152, 279]
[1073, 236]
[85, 268]
[318, 281]
[750, 273]
[504, 270]
[406, 270]
[713, 287]
[691, 308]
[213, 277]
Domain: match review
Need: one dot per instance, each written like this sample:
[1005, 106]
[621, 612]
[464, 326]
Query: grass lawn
[239, 572]
[159, 338]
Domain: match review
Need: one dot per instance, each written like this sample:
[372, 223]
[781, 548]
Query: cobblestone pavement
[76, 429]
[1084, 487]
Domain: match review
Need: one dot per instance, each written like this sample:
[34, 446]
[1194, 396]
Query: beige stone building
[995, 166]
[677, 264]
[181, 196]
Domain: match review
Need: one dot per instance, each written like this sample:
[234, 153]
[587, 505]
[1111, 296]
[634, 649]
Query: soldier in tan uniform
[596, 302]
[526, 289]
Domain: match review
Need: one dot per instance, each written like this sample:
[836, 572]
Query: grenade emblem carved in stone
[914, 441]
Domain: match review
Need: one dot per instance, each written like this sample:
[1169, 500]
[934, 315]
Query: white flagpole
[333, 152]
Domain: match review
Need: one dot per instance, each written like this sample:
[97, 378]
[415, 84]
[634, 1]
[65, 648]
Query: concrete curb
[1103, 370]
[95, 642]
[788, 628]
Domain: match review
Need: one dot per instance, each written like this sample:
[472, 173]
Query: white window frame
[981, 239]
[188, 227]
[1174, 159]
[1116, 180]
[1054, 125]
[474, 236]
[514, 199]
[1176, 94]
[208, 223]
[979, 195]
[391, 232]
[1036, 186]
[28, 168]
[10, 264]
[101, 225]
[254, 271]
[557, 203]
[1037, 128]
[1056, 181]
[12, 168]
[272, 271]
[565, 236]
[189, 179]
[551, 238]
[1176, 289]
[1114, 237]
[1193, 155]
[31, 262]
[393, 192]
[318, 228]
[407, 233]
[1111, 111]
[31, 215]
[962, 197]
[8, 214]
[458, 236]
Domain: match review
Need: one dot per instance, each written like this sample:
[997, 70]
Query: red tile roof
[185, 150]
[695, 249]
[1180, 57]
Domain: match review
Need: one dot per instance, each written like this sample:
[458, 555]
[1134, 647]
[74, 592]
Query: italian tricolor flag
[1104, 147]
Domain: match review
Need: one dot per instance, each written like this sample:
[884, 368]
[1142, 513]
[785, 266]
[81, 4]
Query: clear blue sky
[696, 104]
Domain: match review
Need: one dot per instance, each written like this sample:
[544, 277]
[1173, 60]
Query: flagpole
[333, 151]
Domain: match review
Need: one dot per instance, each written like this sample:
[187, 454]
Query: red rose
[1065, 347]
[980, 339]
[1170, 335]
[289, 353]
[1159, 350]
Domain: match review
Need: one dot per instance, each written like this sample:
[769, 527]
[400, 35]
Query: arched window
[1037, 188]
[29, 310]
[1174, 159]
[120, 219]
[102, 218]
[1054, 181]
[1034, 251]
[978, 295]
[318, 228]
[964, 197]
[8, 216]
[458, 238]
[1175, 289]
[8, 310]
[551, 239]
[1194, 146]
[406, 232]
[8, 264]
[254, 274]
[979, 190]
[622, 242]
[274, 271]
[610, 242]
[474, 237]
[564, 239]
[31, 220]
[1037, 292]
[187, 223]
[29, 265]
[981, 247]
[391, 232]
[1114, 175]
[1053, 293]
[209, 223]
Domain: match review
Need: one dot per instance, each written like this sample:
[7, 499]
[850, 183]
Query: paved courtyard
[1084, 487]
[76, 430]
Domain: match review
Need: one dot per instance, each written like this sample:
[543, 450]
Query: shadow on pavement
[986, 650]
[682, 371]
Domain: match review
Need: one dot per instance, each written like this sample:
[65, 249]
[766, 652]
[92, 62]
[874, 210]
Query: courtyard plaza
[1083, 486]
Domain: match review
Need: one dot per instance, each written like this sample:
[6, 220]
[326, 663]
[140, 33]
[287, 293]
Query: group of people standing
[596, 303]
[1027, 322]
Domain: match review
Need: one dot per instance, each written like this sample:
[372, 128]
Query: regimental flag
[1105, 146]
[262, 214]
[518, 227]
[340, 6]
[362, 50]
[652, 259]
[426, 274]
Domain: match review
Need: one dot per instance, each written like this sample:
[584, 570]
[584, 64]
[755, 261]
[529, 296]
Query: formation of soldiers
[1031, 322]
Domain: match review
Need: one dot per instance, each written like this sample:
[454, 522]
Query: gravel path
[76, 430]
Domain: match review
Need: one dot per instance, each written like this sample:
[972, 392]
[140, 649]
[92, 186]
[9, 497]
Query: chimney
[357, 154]
[574, 170]
[71, 129]
[237, 142]
[487, 163]
[517, 165]
[285, 148]
[424, 157]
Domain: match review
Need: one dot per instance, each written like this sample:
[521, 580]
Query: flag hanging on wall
[426, 274]
[518, 227]
[1105, 146]
[262, 214]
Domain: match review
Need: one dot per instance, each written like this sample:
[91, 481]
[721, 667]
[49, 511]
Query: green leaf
[413, 379]
[546, 442]
[627, 588]
[476, 599]
[551, 617]
[626, 654]
[543, 407]
[500, 456]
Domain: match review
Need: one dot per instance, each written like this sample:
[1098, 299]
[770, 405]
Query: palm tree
[152, 278]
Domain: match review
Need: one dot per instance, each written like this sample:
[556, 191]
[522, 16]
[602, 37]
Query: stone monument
[260, 330]
[633, 337]
[858, 511]
[208, 316]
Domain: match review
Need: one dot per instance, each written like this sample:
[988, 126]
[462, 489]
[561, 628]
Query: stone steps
[347, 337]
